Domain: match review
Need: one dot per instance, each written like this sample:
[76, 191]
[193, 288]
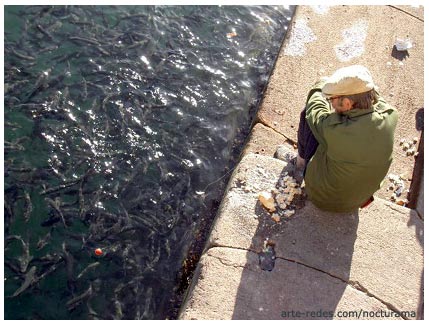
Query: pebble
[280, 199]
[267, 201]
[408, 146]
[401, 202]
[275, 217]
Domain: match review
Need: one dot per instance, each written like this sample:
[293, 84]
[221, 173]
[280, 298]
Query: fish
[20, 169]
[9, 147]
[30, 280]
[48, 49]
[147, 305]
[72, 303]
[41, 83]
[85, 89]
[55, 26]
[154, 257]
[55, 204]
[12, 266]
[25, 258]
[103, 51]
[28, 207]
[141, 221]
[67, 56]
[87, 268]
[23, 56]
[61, 187]
[84, 40]
[10, 87]
[82, 209]
[49, 259]
[11, 124]
[69, 259]
[50, 221]
[118, 309]
[51, 269]
[92, 314]
[45, 32]
[167, 248]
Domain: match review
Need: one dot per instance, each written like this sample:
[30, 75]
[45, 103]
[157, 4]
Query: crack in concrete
[392, 206]
[227, 263]
[217, 245]
[354, 284]
[406, 12]
[275, 130]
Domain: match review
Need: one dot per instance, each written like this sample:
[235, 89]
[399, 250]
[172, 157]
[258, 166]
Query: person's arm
[317, 109]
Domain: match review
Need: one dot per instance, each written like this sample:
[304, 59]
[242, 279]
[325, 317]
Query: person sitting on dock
[345, 140]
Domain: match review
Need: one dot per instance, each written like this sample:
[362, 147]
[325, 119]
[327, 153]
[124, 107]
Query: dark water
[119, 124]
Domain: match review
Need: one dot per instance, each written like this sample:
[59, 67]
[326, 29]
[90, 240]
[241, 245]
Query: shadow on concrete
[420, 119]
[313, 250]
[414, 194]
[417, 178]
[419, 236]
[399, 55]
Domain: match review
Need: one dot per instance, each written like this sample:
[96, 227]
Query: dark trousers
[307, 143]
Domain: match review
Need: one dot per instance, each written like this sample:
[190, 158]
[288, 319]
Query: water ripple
[120, 122]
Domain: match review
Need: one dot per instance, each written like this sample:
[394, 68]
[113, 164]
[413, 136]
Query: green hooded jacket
[354, 152]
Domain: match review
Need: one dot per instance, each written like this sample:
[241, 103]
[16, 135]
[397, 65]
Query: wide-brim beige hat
[348, 81]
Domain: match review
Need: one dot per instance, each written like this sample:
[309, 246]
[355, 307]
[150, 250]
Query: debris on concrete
[398, 191]
[401, 202]
[283, 201]
[408, 146]
[267, 256]
[397, 185]
[403, 44]
[267, 201]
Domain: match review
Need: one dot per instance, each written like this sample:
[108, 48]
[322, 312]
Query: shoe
[300, 162]
[369, 201]
[285, 154]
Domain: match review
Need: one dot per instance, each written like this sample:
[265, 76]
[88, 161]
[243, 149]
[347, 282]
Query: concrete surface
[323, 40]
[263, 140]
[370, 260]
[250, 293]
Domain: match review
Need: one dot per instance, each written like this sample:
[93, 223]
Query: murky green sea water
[119, 124]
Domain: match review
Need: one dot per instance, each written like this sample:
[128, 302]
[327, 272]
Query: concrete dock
[366, 264]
